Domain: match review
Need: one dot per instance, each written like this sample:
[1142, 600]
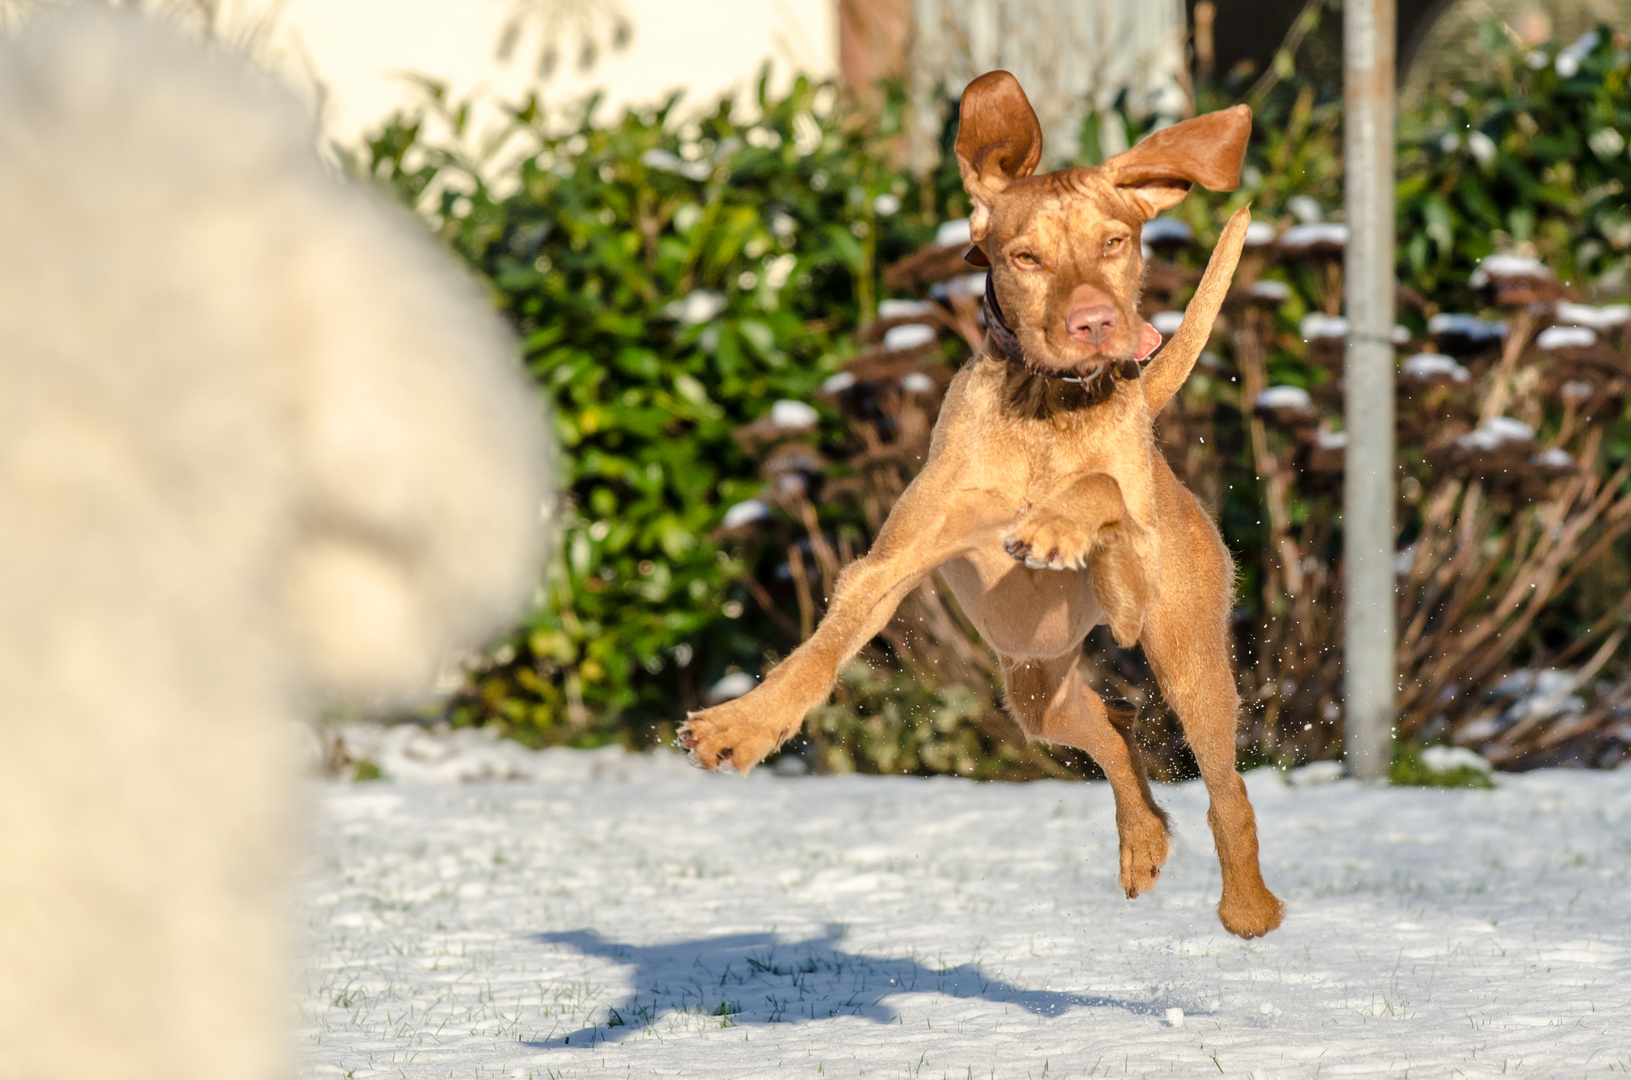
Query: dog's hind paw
[1251, 916]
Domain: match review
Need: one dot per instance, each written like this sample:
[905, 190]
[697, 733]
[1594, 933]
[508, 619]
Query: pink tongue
[1149, 339]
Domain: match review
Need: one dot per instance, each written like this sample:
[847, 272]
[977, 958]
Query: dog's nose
[1093, 325]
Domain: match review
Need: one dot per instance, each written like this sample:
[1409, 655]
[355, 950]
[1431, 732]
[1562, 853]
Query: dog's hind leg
[1186, 642]
[1051, 703]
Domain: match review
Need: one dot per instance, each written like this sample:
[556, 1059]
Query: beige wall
[358, 48]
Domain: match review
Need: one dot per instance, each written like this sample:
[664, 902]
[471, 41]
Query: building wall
[358, 50]
[1065, 54]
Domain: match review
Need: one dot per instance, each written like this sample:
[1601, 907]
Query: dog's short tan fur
[1047, 513]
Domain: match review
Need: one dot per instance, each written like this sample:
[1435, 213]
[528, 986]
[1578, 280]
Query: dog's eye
[1114, 244]
[1026, 261]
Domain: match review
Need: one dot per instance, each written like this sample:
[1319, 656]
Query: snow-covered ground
[630, 916]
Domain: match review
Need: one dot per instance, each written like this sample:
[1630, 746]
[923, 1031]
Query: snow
[1568, 61]
[1305, 208]
[909, 336]
[731, 686]
[1565, 337]
[793, 414]
[1536, 695]
[1167, 323]
[904, 309]
[746, 512]
[1471, 327]
[1495, 431]
[1493, 267]
[625, 915]
[1450, 758]
[1316, 325]
[1259, 233]
[697, 306]
[1166, 230]
[956, 232]
[1526, 681]
[1284, 397]
[1315, 772]
[1483, 147]
[1428, 366]
[1299, 237]
[1606, 317]
[968, 286]
[1553, 457]
[1269, 289]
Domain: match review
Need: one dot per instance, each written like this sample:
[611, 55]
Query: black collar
[1002, 342]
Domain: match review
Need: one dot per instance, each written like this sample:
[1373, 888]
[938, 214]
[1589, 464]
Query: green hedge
[1531, 156]
[669, 282]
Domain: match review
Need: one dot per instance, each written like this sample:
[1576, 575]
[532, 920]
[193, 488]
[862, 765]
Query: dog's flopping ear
[1207, 150]
[998, 142]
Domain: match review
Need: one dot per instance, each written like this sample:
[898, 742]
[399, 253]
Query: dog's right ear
[998, 142]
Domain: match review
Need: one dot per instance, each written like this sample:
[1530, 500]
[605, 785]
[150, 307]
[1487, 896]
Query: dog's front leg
[929, 525]
[1088, 526]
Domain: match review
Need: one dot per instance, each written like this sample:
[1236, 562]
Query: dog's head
[1064, 248]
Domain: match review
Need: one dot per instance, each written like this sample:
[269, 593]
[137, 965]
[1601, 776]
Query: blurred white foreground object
[260, 446]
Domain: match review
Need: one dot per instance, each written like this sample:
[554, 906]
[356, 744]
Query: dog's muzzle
[1004, 342]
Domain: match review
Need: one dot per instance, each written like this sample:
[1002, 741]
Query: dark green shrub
[1409, 770]
[1532, 157]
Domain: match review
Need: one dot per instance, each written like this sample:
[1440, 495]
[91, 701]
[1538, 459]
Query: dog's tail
[1172, 365]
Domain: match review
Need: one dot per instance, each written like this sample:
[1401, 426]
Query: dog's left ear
[1207, 150]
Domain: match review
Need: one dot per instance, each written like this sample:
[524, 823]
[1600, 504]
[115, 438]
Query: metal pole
[1367, 506]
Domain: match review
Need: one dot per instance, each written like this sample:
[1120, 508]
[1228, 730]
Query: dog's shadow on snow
[762, 979]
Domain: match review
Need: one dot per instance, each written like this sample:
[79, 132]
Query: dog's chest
[1060, 450]
[1017, 456]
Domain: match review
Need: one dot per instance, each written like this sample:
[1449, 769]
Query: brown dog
[1043, 501]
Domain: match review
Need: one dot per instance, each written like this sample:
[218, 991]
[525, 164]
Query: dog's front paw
[735, 734]
[1044, 540]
